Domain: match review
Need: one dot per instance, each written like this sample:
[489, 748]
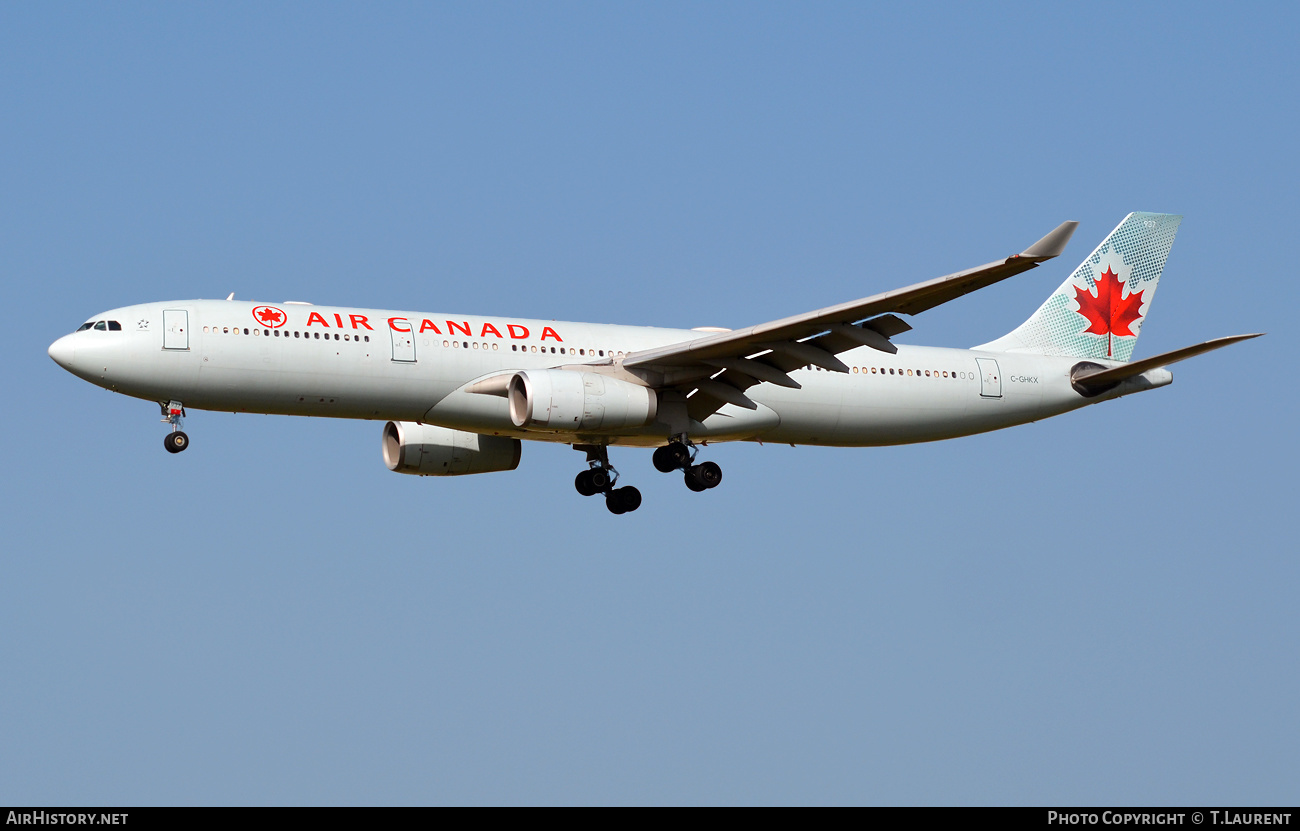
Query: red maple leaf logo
[269, 316]
[1107, 311]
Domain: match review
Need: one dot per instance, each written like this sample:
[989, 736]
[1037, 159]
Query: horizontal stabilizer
[1092, 379]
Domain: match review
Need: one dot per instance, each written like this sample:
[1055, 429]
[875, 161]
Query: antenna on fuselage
[232, 296]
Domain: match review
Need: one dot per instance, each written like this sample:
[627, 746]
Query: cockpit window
[101, 326]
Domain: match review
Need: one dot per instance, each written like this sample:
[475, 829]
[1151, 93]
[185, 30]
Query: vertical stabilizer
[1099, 311]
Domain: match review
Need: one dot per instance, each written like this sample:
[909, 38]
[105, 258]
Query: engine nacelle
[426, 450]
[565, 400]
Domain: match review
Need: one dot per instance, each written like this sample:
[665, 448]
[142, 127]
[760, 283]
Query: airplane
[459, 394]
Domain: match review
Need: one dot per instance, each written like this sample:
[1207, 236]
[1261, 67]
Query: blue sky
[1099, 608]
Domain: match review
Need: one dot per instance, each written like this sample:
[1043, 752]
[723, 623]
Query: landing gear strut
[176, 440]
[600, 478]
[679, 454]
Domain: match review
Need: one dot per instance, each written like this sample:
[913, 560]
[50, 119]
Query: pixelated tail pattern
[1135, 252]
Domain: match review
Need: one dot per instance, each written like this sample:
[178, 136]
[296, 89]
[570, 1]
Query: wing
[717, 369]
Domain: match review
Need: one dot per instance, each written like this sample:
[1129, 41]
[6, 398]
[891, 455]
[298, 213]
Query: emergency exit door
[176, 329]
[990, 378]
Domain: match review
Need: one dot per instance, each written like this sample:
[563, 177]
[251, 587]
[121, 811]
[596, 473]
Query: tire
[709, 474]
[664, 461]
[623, 501]
[599, 479]
[692, 482]
[680, 454]
[176, 442]
[630, 497]
[583, 484]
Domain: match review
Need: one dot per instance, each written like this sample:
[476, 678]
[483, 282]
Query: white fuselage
[364, 364]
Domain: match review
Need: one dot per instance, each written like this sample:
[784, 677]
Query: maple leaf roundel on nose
[269, 317]
[1108, 312]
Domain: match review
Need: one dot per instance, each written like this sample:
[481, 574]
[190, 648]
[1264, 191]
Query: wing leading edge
[716, 370]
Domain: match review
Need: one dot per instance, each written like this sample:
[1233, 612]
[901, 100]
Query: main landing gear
[679, 454]
[176, 440]
[600, 478]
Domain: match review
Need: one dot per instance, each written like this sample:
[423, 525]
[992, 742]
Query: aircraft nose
[62, 351]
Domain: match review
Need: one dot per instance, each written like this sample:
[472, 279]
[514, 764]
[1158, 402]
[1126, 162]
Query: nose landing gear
[679, 454]
[600, 478]
[176, 440]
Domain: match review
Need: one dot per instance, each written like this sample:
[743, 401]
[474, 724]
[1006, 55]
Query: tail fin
[1098, 312]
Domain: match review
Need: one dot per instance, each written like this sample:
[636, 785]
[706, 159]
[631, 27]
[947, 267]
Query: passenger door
[990, 378]
[403, 345]
[176, 329]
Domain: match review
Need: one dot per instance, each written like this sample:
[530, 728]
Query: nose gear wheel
[175, 441]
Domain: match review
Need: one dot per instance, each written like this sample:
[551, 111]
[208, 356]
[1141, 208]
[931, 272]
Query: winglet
[1053, 244]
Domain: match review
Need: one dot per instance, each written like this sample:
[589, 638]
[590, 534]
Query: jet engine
[565, 400]
[426, 450]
